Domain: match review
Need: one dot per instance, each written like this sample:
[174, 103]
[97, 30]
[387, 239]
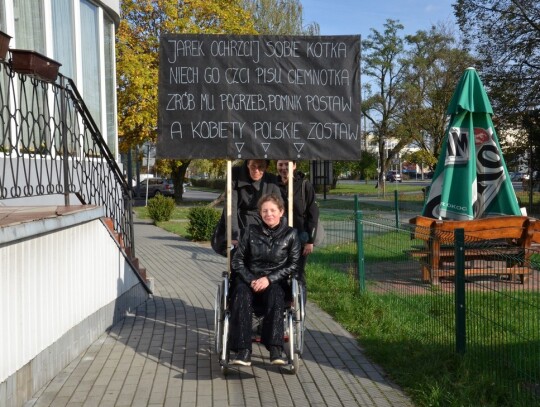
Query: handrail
[51, 145]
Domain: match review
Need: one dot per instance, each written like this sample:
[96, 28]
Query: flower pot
[33, 63]
[4, 45]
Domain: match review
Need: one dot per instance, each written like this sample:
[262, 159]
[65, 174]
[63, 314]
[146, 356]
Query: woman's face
[271, 214]
[256, 169]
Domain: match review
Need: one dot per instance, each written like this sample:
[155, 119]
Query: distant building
[397, 164]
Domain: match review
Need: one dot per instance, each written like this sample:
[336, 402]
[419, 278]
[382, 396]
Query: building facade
[80, 35]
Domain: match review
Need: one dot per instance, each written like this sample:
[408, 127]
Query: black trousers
[302, 269]
[243, 301]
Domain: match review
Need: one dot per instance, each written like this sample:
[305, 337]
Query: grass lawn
[369, 189]
[412, 335]
[397, 335]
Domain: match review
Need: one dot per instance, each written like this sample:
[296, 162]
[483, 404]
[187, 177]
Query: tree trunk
[178, 179]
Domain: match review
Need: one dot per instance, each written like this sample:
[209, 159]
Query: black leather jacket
[266, 252]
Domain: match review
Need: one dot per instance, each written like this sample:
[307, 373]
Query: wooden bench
[493, 246]
[533, 244]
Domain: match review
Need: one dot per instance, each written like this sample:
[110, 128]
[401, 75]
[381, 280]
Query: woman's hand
[260, 284]
[308, 249]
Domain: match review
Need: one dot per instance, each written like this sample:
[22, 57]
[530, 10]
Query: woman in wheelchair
[266, 256]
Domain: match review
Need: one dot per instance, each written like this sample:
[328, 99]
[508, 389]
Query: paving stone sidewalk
[161, 355]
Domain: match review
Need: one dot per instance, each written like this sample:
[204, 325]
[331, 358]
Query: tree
[142, 22]
[364, 168]
[504, 35]
[422, 158]
[382, 54]
[216, 168]
[279, 17]
[433, 67]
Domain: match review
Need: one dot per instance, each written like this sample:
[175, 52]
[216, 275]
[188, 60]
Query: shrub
[202, 222]
[160, 208]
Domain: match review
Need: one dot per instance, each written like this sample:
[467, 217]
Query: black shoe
[276, 357]
[243, 357]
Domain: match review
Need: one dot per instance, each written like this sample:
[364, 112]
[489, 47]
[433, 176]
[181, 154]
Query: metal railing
[51, 146]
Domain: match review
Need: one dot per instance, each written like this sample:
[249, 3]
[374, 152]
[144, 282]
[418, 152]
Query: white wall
[51, 283]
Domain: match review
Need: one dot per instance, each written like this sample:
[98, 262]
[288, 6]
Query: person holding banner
[250, 182]
[265, 257]
[305, 210]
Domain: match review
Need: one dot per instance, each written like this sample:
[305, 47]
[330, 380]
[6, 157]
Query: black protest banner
[275, 97]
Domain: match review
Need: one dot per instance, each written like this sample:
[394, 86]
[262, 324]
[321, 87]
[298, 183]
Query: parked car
[393, 176]
[518, 176]
[157, 186]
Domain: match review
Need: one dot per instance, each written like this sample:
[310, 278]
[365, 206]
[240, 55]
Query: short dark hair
[293, 161]
[257, 159]
[275, 198]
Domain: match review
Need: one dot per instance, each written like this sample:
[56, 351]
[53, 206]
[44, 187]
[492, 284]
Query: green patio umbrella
[471, 180]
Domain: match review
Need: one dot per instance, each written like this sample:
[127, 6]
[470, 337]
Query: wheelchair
[293, 320]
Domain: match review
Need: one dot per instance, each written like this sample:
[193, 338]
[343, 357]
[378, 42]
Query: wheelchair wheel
[221, 323]
[299, 323]
[218, 322]
[225, 353]
[292, 355]
[299, 316]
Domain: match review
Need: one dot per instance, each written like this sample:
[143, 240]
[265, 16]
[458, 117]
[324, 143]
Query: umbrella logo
[457, 149]
[481, 135]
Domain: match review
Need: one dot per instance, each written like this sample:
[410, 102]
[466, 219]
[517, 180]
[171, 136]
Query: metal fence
[51, 147]
[493, 320]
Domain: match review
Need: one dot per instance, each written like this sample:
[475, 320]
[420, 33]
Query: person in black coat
[265, 257]
[305, 209]
[250, 182]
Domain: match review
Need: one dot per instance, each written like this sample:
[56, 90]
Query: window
[110, 82]
[3, 26]
[29, 31]
[63, 41]
[91, 79]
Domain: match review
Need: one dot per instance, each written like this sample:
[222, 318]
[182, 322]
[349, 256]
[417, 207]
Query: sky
[357, 17]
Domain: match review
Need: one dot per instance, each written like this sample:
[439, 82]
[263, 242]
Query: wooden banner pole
[290, 193]
[229, 214]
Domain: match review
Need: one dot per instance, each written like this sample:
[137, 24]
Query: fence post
[396, 207]
[359, 225]
[356, 209]
[461, 334]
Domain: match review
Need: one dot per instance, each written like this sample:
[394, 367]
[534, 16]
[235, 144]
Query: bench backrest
[422, 227]
[495, 228]
[534, 231]
[521, 228]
